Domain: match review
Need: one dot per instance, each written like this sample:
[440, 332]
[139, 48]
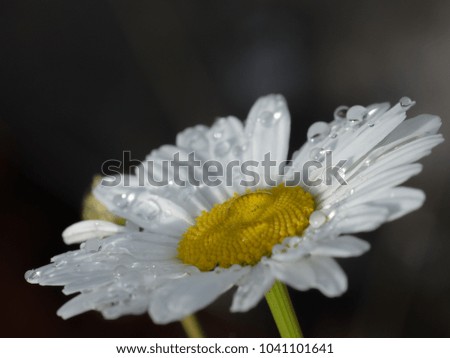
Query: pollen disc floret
[245, 228]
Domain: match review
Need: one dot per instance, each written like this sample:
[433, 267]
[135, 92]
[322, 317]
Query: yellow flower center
[245, 228]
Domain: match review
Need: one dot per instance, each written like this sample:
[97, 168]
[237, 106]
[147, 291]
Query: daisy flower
[183, 246]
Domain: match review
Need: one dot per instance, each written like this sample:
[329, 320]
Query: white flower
[182, 247]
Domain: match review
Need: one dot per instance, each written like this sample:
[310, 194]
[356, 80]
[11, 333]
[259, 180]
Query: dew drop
[32, 276]
[340, 112]
[218, 129]
[222, 148]
[406, 102]
[317, 131]
[60, 263]
[371, 112]
[277, 249]
[147, 209]
[317, 219]
[356, 114]
[119, 271]
[317, 154]
[367, 163]
[377, 110]
[93, 245]
[268, 119]
[121, 200]
[239, 149]
[217, 135]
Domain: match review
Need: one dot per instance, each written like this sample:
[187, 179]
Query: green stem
[192, 327]
[283, 312]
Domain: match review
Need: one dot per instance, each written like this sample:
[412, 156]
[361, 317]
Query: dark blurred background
[81, 81]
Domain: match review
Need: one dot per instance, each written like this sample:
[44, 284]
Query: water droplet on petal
[60, 263]
[239, 149]
[367, 163]
[93, 245]
[317, 219]
[340, 112]
[218, 129]
[317, 154]
[406, 102]
[356, 114]
[318, 131]
[371, 112]
[119, 271]
[121, 201]
[217, 135]
[222, 148]
[278, 249]
[146, 209]
[32, 276]
[268, 119]
[377, 110]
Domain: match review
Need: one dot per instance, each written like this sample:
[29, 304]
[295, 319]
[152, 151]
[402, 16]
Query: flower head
[184, 245]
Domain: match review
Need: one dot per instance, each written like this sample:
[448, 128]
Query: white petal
[318, 272]
[179, 298]
[90, 229]
[409, 142]
[122, 301]
[225, 143]
[158, 169]
[347, 143]
[389, 178]
[142, 246]
[401, 155]
[297, 274]
[342, 246]
[150, 211]
[79, 304]
[368, 183]
[399, 200]
[216, 142]
[360, 218]
[330, 278]
[402, 201]
[422, 125]
[268, 127]
[194, 139]
[88, 282]
[251, 288]
[293, 252]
